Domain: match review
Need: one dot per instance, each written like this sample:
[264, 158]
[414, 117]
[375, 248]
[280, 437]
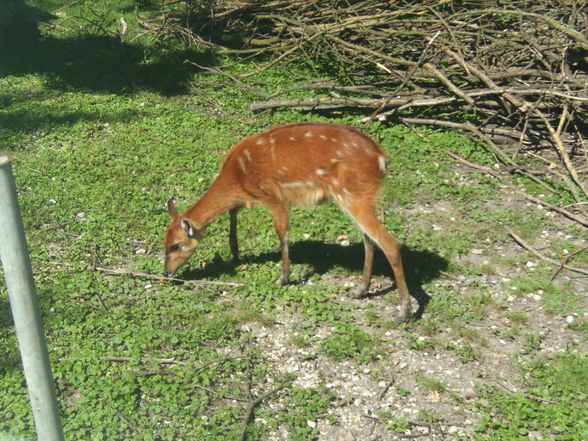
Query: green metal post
[25, 310]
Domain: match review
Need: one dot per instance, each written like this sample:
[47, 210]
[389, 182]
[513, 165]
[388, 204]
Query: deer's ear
[188, 227]
[172, 209]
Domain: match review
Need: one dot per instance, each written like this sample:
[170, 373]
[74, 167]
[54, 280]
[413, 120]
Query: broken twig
[526, 246]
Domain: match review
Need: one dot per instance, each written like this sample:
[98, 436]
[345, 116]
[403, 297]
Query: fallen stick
[249, 412]
[164, 278]
[522, 243]
[450, 85]
[473, 165]
[581, 220]
[566, 260]
[127, 359]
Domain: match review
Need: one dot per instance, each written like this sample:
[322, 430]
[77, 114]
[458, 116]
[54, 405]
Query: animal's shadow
[421, 266]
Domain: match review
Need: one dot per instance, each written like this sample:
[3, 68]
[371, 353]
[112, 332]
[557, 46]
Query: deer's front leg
[233, 243]
[281, 221]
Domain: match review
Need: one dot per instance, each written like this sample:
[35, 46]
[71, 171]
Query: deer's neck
[218, 199]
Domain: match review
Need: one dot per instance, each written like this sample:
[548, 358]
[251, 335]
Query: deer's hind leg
[364, 214]
[368, 265]
[281, 217]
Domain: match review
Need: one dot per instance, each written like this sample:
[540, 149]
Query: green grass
[348, 342]
[555, 299]
[102, 133]
[553, 408]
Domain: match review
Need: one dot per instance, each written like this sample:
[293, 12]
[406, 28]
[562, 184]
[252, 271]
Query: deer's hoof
[360, 293]
[404, 315]
[282, 281]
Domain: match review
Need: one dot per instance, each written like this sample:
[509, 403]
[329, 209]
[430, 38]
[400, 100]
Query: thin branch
[543, 17]
[456, 90]
[581, 220]
[118, 272]
[249, 411]
[566, 260]
[473, 165]
[522, 243]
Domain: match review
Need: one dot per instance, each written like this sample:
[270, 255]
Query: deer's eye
[173, 248]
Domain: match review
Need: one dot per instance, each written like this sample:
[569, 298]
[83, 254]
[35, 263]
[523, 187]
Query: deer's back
[307, 163]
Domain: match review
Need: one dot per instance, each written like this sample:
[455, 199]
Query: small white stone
[570, 319]
[311, 424]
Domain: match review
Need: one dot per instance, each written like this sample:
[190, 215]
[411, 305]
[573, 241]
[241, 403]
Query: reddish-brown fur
[298, 164]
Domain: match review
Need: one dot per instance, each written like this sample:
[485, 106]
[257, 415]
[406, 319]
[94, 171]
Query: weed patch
[552, 407]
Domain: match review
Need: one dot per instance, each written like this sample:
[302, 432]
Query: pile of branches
[513, 75]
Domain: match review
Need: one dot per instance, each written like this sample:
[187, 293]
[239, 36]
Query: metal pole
[25, 310]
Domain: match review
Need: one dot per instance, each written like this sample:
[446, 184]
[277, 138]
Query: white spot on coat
[297, 184]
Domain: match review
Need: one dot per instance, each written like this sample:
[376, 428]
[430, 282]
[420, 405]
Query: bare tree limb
[522, 243]
[118, 272]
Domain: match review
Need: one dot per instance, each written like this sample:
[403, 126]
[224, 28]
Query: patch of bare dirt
[397, 385]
